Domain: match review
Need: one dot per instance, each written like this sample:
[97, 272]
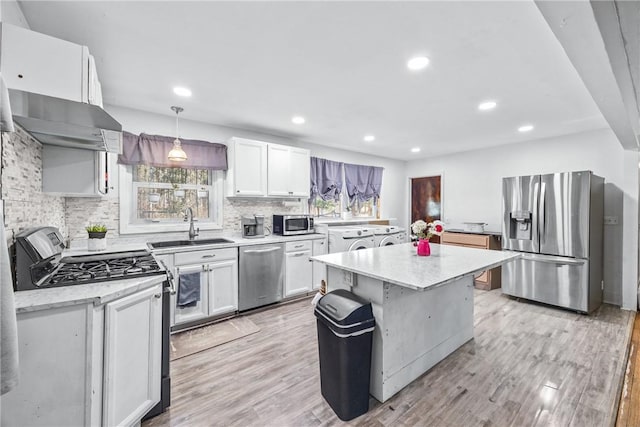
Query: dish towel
[8, 327]
[6, 122]
[189, 290]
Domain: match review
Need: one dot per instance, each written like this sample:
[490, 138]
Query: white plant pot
[97, 244]
[154, 197]
[178, 193]
[202, 194]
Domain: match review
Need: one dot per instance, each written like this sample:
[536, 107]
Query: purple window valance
[152, 150]
[326, 179]
[363, 182]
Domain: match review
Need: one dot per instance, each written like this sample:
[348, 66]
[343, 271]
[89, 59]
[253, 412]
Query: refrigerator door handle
[541, 213]
[554, 259]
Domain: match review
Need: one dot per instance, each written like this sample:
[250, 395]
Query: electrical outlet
[610, 220]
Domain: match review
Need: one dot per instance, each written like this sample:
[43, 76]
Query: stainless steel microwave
[288, 225]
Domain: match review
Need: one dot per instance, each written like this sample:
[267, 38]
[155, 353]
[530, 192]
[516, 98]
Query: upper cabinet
[288, 171]
[38, 63]
[247, 173]
[261, 169]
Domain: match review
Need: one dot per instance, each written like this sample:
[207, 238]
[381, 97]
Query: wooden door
[426, 200]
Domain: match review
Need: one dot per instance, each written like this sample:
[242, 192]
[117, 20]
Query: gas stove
[79, 270]
[39, 263]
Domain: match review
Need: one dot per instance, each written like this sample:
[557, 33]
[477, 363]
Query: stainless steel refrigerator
[556, 222]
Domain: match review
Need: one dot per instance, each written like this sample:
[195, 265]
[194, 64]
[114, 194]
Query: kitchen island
[423, 306]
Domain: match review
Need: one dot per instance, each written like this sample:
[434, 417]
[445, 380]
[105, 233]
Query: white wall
[11, 13]
[393, 198]
[472, 185]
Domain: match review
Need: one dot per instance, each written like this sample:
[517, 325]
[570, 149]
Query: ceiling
[341, 65]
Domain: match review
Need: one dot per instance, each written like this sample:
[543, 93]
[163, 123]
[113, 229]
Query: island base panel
[414, 329]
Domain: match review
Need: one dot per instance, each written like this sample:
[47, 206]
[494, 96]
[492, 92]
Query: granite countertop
[400, 265]
[238, 241]
[95, 293]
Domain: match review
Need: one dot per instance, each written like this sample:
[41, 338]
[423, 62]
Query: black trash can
[345, 332]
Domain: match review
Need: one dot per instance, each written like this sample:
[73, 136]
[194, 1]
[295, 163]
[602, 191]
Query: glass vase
[423, 248]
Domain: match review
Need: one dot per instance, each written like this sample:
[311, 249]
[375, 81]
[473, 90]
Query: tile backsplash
[27, 206]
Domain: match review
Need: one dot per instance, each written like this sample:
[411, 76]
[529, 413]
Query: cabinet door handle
[298, 246]
[158, 295]
[300, 254]
[208, 256]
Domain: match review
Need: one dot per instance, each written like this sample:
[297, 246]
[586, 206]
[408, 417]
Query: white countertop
[103, 292]
[96, 293]
[400, 265]
[238, 241]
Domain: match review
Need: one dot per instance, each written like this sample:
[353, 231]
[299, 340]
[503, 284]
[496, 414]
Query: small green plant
[96, 228]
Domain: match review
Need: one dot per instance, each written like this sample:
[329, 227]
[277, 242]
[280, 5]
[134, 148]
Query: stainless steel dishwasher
[261, 275]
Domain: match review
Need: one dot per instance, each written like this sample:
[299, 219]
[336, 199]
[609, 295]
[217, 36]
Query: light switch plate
[610, 220]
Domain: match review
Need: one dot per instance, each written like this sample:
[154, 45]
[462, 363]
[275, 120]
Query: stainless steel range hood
[66, 123]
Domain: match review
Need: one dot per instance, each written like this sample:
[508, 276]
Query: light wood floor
[528, 364]
[629, 409]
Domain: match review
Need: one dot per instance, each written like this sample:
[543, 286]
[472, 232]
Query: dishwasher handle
[261, 251]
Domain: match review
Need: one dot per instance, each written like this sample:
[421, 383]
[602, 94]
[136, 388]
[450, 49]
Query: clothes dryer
[385, 235]
[350, 238]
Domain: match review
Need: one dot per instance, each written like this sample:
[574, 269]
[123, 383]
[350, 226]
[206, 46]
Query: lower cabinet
[132, 362]
[206, 283]
[320, 247]
[490, 279]
[298, 269]
[88, 365]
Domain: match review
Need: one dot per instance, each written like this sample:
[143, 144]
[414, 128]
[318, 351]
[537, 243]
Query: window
[325, 208]
[155, 199]
[363, 209]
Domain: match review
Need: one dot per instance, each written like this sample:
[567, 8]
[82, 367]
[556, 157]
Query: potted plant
[97, 240]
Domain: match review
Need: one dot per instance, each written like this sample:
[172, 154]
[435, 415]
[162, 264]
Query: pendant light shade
[177, 154]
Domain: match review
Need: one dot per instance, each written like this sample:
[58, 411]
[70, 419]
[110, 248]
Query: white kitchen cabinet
[247, 168]
[88, 365]
[218, 275]
[223, 287]
[299, 172]
[298, 268]
[200, 309]
[320, 247]
[288, 171]
[132, 348]
[262, 169]
[38, 63]
[77, 172]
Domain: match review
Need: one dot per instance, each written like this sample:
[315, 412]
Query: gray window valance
[363, 182]
[326, 179]
[152, 150]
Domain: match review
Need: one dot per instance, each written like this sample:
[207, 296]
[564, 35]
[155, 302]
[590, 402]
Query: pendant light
[177, 154]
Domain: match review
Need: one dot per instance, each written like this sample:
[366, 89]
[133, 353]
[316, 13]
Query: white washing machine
[350, 238]
[385, 235]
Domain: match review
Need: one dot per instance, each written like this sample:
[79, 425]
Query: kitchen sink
[182, 243]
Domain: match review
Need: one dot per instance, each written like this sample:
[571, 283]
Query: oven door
[296, 225]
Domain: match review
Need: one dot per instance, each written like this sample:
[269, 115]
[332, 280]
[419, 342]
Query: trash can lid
[345, 308]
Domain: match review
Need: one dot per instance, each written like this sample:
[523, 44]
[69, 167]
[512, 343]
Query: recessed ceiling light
[182, 91]
[525, 128]
[298, 120]
[418, 63]
[487, 105]
[369, 138]
[415, 150]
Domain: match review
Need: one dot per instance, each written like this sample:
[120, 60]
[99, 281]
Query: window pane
[170, 204]
[144, 173]
[328, 208]
[362, 208]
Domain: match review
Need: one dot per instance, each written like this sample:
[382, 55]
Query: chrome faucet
[188, 216]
